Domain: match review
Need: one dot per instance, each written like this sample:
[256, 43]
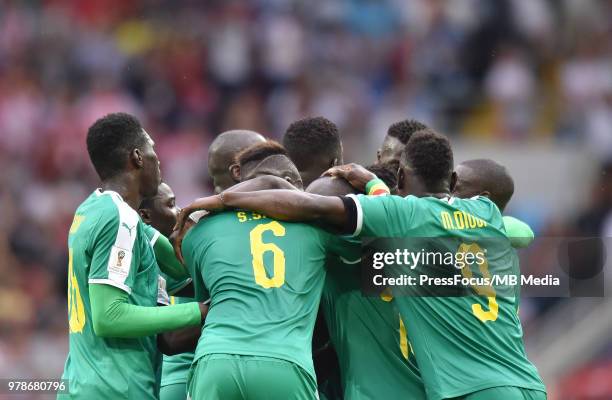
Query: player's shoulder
[426, 203]
[112, 209]
[479, 204]
[481, 207]
[207, 226]
[214, 222]
[384, 200]
[151, 233]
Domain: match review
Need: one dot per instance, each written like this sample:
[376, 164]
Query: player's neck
[438, 195]
[126, 185]
[420, 189]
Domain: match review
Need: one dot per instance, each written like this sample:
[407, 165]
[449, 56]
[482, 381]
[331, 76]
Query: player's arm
[334, 212]
[112, 276]
[114, 316]
[289, 206]
[167, 261]
[519, 233]
[264, 182]
[179, 341]
[369, 215]
[359, 178]
[284, 205]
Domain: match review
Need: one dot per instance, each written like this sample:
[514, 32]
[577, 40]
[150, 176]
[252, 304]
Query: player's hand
[182, 226]
[356, 175]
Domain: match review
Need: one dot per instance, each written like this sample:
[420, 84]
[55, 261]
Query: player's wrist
[222, 199]
[376, 187]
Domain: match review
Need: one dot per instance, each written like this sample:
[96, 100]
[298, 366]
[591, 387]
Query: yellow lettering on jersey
[447, 221]
[460, 220]
[76, 222]
[488, 291]
[404, 343]
[258, 248]
[76, 309]
[460, 223]
[244, 217]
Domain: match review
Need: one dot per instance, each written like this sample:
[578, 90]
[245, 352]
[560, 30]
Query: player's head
[117, 145]
[486, 178]
[332, 186]
[387, 173]
[223, 151]
[426, 166]
[160, 211]
[394, 142]
[267, 158]
[314, 146]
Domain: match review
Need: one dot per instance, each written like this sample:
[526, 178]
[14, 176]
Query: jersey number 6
[259, 248]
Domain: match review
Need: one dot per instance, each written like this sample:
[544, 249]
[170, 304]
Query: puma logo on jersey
[128, 227]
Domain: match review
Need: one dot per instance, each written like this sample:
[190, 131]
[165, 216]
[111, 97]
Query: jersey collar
[99, 192]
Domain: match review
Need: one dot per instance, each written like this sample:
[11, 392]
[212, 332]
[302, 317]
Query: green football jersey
[462, 343]
[265, 280]
[370, 338]
[108, 245]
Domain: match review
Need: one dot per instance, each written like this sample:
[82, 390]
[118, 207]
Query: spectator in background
[511, 86]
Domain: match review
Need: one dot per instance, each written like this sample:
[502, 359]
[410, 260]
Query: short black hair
[386, 173]
[260, 151]
[430, 155]
[403, 130]
[110, 140]
[311, 136]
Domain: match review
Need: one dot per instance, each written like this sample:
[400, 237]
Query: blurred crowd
[504, 70]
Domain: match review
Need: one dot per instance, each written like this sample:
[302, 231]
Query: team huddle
[256, 292]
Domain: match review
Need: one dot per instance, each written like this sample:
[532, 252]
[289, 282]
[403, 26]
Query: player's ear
[136, 158]
[401, 179]
[234, 170]
[145, 215]
[453, 181]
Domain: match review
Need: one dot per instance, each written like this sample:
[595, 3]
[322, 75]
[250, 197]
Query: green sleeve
[113, 316]
[167, 261]
[383, 216]
[519, 233]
